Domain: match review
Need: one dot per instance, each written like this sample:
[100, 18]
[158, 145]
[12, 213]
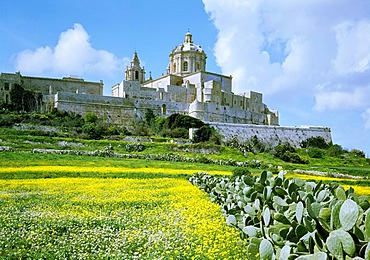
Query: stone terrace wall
[272, 135]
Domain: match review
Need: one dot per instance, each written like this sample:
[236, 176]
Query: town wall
[114, 109]
[46, 86]
[272, 135]
[211, 112]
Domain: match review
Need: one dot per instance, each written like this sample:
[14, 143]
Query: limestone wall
[272, 135]
[48, 86]
[211, 112]
[114, 109]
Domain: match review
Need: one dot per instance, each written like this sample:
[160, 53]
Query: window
[136, 75]
[6, 86]
[185, 66]
[174, 67]
[161, 95]
[164, 109]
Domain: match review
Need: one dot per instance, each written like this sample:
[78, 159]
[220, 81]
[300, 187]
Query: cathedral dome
[188, 45]
[187, 58]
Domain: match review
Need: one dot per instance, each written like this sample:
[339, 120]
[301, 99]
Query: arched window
[174, 68]
[185, 66]
[136, 75]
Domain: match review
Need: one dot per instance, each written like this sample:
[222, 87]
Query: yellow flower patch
[95, 218]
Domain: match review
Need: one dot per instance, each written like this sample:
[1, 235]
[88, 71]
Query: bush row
[108, 152]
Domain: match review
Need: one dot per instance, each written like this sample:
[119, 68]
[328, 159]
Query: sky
[309, 58]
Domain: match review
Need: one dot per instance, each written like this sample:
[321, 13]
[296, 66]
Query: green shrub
[358, 153]
[141, 130]
[207, 134]
[93, 131]
[176, 133]
[315, 153]
[315, 142]
[335, 150]
[287, 153]
[295, 158]
[238, 172]
[90, 118]
[6, 121]
[253, 145]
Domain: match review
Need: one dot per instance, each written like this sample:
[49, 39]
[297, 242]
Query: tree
[149, 117]
[203, 134]
[24, 100]
[182, 121]
[16, 97]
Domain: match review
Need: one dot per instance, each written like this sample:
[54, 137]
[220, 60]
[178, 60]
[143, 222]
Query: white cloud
[342, 100]
[366, 117]
[73, 55]
[353, 40]
[317, 49]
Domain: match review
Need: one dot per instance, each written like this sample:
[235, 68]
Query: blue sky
[310, 58]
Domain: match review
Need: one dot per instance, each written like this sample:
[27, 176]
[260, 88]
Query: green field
[64, 207]
[94, 207]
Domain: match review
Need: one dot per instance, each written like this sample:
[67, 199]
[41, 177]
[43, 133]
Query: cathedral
[187, 88]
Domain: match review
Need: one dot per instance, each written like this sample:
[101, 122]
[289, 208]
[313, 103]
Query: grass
[84, 207]
[19, 160]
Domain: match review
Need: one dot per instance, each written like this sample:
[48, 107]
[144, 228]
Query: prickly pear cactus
[348, 214]
[284, 218]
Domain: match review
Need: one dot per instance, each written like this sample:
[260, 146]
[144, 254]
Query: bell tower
[135, 72]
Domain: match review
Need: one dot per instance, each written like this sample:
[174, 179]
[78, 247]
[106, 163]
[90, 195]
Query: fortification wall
[216, 113]
[51, 85]
[114, 109]
[272, 135]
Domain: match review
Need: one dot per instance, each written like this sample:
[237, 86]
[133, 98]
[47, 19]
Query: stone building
[46, 86]
[187, 88]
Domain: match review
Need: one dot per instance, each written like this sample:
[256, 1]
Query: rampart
[114, 109]
[272, 135]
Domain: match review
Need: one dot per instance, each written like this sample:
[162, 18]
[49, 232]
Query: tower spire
[135, 72]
